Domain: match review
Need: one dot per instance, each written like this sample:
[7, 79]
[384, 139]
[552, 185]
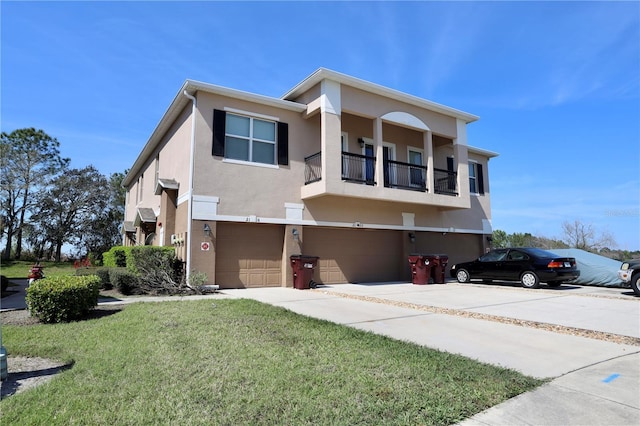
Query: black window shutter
[283, 143]
[450, 164]
[219, 125]
[480, 178]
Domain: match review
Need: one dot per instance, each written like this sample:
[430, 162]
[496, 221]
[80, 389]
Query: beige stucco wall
[370, 105]
[251, 189]
[173, 153]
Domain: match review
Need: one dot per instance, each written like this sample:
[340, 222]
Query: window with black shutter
[252, 139]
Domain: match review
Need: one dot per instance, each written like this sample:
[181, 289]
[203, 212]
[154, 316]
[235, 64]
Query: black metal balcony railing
[445, 182]
[358, 168]
[313, 168]
[361, 168]
[405, 175]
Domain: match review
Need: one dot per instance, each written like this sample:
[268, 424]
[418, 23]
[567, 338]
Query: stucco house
[358, 174]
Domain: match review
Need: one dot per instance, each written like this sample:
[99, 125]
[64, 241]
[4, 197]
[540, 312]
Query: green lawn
[20, 268]
[240, 362]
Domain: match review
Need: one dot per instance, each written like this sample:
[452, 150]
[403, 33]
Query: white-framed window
[476, 179]
[157, 174]
[416, 175]
[140, 188]
[250, 139]
[344, 143]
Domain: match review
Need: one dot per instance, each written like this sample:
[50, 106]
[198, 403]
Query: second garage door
[355, 255]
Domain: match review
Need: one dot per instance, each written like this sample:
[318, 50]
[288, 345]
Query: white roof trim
[324, 73]
[480, 151]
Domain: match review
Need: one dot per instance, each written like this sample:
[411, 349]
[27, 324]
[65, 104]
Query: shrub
[102, 273]
[105, 280]
[123, 280]
[118, 256]
[159, 270]
[85, 271]
[63, 298]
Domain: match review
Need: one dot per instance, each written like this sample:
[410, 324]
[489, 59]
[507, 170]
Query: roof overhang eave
[483, 152]
[324, 73]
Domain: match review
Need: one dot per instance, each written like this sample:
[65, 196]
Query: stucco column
[428, 150]
[330, 133]
[379, 151]
[292, 245]
[461, 158]
[204, 249]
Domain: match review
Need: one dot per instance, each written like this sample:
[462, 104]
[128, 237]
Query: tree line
[45, 203]
[576, 234]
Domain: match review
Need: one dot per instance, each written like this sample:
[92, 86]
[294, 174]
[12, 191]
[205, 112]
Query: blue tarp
[594, 269]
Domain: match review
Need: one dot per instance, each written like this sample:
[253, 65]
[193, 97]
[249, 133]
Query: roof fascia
[483, 152]
[324, 73]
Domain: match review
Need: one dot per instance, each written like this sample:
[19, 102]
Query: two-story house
[358, 174]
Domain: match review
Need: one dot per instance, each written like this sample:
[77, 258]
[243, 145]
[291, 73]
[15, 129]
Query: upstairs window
[476, 179]
[252, 139]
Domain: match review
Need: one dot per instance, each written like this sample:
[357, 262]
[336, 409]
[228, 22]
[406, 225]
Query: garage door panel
[248, 255]
[348, 255]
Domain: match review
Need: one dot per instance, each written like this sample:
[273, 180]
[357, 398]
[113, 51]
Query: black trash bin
[438, 264]
[303, 268]
[420, 269]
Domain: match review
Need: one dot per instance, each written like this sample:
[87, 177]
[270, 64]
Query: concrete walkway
[543, 333]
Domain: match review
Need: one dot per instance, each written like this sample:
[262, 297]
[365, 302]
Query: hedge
[123, 280]
[63, 298]
[118, 256]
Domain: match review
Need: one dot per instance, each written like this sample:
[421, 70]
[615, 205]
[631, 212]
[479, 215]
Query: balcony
[357, 168]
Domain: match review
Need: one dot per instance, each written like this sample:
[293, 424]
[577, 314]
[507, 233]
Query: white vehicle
[629, 273]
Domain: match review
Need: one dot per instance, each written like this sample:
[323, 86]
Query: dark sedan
[530, 266]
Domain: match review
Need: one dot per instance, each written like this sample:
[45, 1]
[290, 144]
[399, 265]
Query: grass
[20, 268]
[243, 362]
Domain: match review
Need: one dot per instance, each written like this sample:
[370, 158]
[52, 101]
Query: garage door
[355, 255]
[248, 255]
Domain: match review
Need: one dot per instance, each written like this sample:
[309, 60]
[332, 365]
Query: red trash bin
[420, 269]
[303, 268]
[438, 264]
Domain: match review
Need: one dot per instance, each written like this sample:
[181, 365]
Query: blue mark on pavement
[611, 378]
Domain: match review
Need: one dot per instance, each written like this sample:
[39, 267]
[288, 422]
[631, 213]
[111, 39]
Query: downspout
[191, 168]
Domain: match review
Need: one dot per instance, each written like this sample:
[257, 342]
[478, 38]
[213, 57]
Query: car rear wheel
[463, 276]
[554, 283]
[635, 283]
[529, 280]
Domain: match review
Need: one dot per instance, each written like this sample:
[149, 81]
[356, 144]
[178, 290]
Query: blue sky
[556, 85]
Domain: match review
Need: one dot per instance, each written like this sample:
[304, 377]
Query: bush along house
[355, 173]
